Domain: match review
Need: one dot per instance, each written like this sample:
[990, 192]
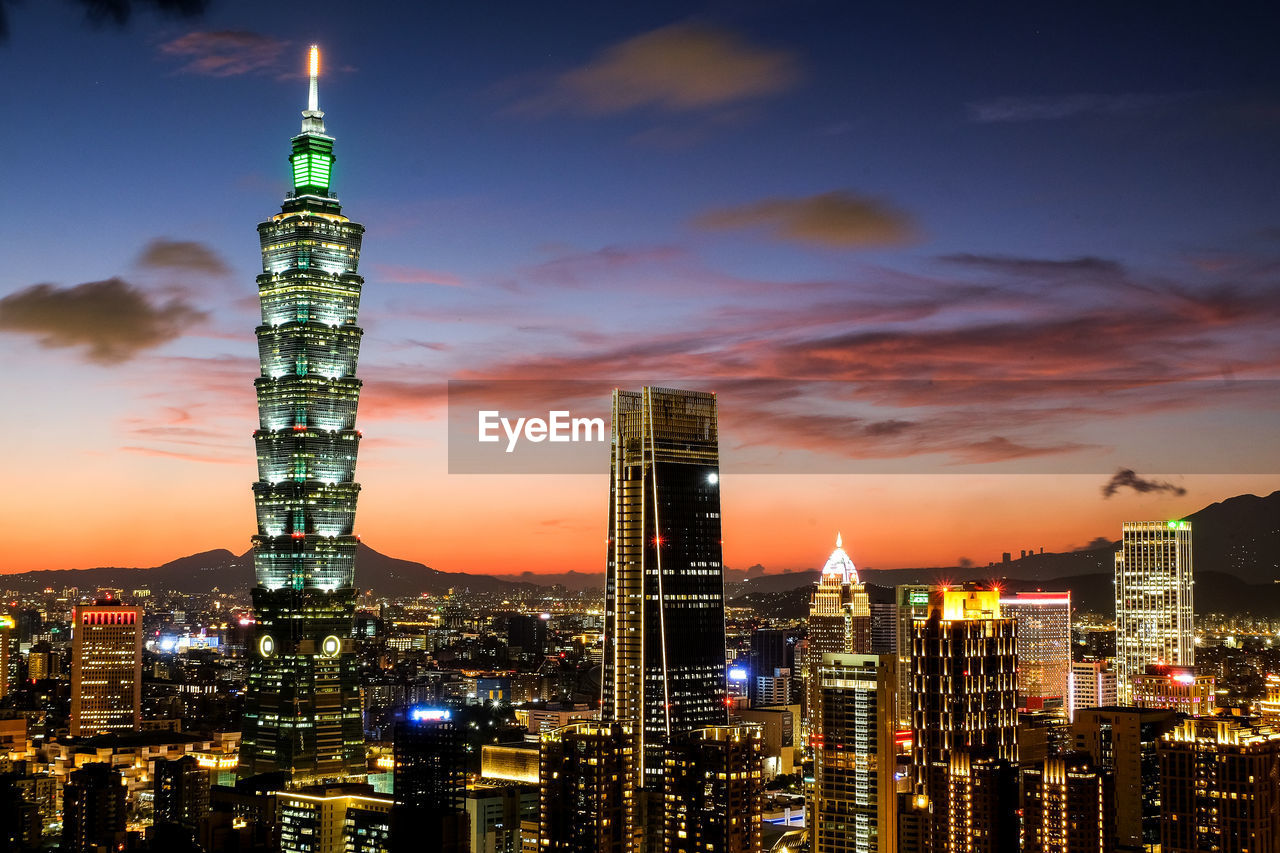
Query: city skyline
[1014, 223]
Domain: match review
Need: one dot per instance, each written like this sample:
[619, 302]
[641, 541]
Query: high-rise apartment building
[965, 719]
[1218, 787]
[7, 659]
[1123, 740]
[106, 668]
[1067, 807]
[664, 654]
[181, 789]
[93, 810]
[302, 707]
[839, 623]
[854, 803]
[589, 801]
[714, 785]
[1091, 685]
[1044, 647]
[1154, 608]
[912, 603]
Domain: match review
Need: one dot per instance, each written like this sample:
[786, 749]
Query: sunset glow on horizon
[943, 301]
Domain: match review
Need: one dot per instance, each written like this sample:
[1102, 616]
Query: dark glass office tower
[664, 660]
[302, 710]
[430, 783]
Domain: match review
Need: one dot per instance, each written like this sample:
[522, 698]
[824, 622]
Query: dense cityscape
[663, 706]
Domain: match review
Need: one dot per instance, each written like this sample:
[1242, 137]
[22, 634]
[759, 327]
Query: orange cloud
[677, 68]
[834, 220]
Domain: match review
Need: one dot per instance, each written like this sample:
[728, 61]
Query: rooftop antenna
[313, 97]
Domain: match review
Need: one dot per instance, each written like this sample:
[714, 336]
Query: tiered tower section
[302, 712]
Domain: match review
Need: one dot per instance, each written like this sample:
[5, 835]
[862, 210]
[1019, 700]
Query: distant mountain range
[1236, 552]
[227, 571]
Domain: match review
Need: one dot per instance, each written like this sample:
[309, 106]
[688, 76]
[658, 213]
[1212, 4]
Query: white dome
[840, 564]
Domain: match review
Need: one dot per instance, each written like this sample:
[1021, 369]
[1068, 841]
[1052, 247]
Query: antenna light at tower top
[313, 68]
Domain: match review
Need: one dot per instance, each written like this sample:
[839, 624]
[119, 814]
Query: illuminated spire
[312, 156]
[839, 541]
[313, 97]
[313, 116]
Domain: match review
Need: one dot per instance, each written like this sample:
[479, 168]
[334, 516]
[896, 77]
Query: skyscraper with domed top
[839, 621]
[302, 709]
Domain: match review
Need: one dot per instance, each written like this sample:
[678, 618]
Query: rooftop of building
[839, 563]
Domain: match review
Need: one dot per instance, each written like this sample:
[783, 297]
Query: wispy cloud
[225, 53]
[1036, 267]
[678, 68]
[1127, 478]
[837, 220]
[111, 320]
[182, 255]
[1059, 107]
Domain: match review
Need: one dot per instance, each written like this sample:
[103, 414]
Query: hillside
[224, 570]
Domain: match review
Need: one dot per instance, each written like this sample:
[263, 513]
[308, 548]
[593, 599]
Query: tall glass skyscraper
[1155, 616]
[302, 710]
[664, 660]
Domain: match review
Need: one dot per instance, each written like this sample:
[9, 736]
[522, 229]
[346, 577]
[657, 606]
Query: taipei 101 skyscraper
[302, 708]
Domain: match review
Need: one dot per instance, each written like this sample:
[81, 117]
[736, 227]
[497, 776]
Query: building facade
[714, 789]
[589, 801]
[1091, 685]
[302, 708]
[430, 782]
[1123, 740]
[912, 603]
[965, 719]
[93, 810]
[181, 791]
[1067, 807]
[106, 668]
[341, 818]
[664, 652]
[1175, 687]
[1220, 787]
[1155, 614]
[1044, 647]
[770, 652]
[854, 804]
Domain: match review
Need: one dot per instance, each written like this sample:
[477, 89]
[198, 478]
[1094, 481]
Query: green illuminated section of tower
[302, 708]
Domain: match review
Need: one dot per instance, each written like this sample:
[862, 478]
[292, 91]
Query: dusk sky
[948, 267]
